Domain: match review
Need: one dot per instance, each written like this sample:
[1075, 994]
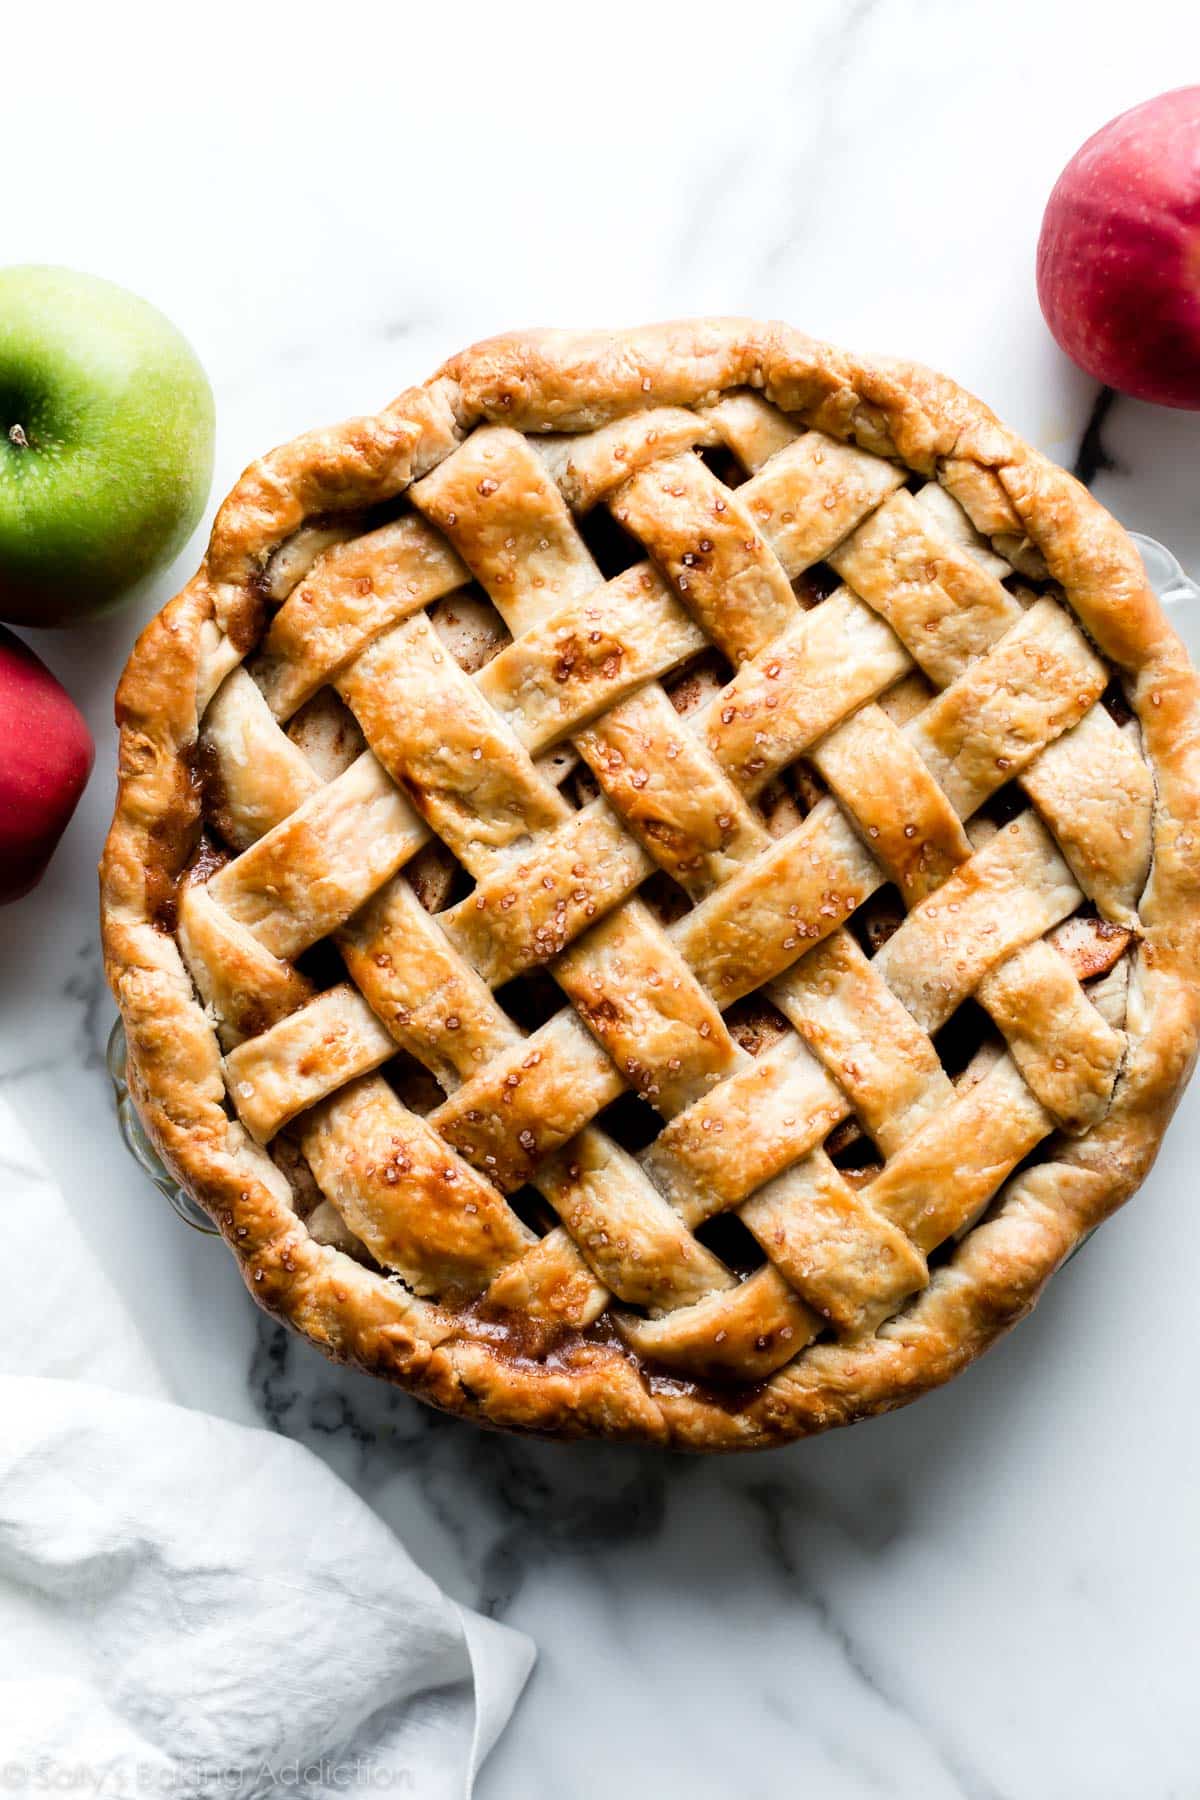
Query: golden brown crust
[581, 1384]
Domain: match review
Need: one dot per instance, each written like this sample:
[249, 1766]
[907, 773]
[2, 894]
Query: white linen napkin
[191, 1607]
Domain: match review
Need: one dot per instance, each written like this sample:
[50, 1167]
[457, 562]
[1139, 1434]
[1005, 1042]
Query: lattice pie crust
[653, 885]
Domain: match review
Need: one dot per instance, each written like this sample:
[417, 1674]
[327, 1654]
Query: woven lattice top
[660, 879]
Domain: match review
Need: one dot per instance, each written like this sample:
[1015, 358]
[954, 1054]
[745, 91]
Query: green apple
[106, 444]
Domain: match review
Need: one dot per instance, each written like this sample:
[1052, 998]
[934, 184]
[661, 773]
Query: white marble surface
[993, 1594]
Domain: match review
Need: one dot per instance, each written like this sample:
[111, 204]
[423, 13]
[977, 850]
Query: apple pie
[653, 890]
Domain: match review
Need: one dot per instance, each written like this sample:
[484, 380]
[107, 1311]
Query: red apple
[1118, 264]
[46, 754]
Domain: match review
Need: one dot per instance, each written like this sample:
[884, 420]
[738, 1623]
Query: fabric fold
[200, 1606]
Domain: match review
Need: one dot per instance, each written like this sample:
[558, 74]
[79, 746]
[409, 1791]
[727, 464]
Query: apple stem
[16, 435]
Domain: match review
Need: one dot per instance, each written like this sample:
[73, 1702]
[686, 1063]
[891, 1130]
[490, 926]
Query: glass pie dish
[654, 889]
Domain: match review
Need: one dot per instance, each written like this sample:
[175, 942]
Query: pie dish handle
[1175, 588]
[1179, 594]
[139, 1145]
